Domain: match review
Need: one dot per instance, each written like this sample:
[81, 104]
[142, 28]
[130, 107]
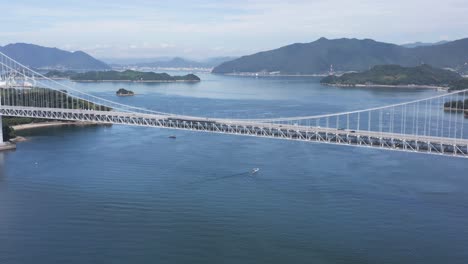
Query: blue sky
[206, 28]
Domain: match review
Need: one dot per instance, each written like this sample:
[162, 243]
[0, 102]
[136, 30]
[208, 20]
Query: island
[423, 76]
[123, 92]
[131, 76]
[460, 106]
[455, 105]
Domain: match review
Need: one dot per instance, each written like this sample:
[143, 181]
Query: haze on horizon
[209, 28]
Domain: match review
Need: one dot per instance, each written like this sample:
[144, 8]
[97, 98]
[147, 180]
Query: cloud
[243, 26]
[166, 45]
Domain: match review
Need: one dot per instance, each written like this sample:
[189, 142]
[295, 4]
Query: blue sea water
[131, 195]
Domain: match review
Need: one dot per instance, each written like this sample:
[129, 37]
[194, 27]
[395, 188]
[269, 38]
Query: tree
[8, 132]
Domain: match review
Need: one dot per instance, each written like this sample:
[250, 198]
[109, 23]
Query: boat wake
[211, 179]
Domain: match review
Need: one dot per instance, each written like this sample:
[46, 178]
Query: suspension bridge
[434, 125]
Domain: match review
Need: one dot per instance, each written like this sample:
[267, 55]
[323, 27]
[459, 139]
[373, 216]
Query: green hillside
[347, 55]
[130, 75]
[396, 75]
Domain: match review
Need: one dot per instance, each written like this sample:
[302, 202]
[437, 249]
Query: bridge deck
[395, 141]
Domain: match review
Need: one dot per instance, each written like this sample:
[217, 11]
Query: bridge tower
[4, 145]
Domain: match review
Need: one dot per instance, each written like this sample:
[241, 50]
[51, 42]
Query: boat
[172, 136]
[254, 170]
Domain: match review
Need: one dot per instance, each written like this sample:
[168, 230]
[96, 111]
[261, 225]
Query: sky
[209, 28]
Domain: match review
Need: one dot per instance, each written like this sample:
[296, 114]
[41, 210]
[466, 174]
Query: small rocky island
[123, 92]
[131, 76]
[423, 76]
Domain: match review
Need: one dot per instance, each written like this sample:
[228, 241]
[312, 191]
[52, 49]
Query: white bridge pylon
[435, 125]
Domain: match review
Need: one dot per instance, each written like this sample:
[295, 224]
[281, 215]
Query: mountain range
[300, 58]
[423, 44]
[347, 55]
[40, 57]
[176, 62]
[43, 57]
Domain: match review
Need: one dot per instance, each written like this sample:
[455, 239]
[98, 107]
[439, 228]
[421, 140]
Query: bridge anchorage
[434, 125]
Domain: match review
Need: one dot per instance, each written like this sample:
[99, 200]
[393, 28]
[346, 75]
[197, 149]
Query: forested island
[456, 105]
[395, 75]
[128, 75]
[124, 92]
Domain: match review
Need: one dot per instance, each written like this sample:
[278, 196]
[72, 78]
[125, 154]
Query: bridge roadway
[363, 138]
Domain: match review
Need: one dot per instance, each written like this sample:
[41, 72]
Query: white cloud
[166, 45]
[212, 28]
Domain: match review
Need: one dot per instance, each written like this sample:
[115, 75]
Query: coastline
[456, 110]
[137, 81]
[53, 124]
[272, 75]
[4, 146]
[406, 86]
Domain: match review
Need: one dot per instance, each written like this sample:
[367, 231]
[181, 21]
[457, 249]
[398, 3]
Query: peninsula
[461, 84]
[423, 76]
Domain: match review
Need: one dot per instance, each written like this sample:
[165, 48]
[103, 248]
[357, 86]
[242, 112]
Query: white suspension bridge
[434, 125]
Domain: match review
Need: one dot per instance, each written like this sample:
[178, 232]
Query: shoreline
[53, 124]
[137, 81]
[6, 146]
[456, 110]
[406, 86]
[272, 75]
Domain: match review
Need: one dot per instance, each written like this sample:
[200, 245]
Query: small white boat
[254, 170]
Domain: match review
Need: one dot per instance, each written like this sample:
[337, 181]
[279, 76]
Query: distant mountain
[132, 61]
[176, 62]
[42, 57]
[213, 62]
[346, 55]
[423, 44]
[396, 75]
